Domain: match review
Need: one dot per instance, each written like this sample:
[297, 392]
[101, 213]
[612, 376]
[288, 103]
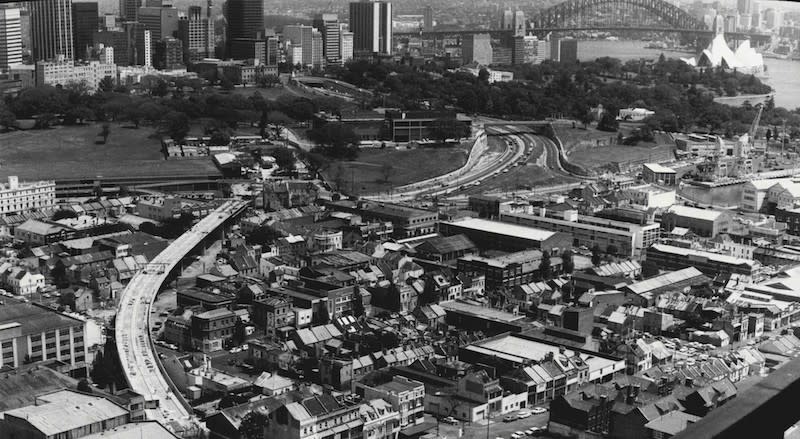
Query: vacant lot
[592, 148]
[71, 152]
[366, 174]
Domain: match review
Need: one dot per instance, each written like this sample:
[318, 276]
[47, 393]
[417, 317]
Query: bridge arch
[557, 15]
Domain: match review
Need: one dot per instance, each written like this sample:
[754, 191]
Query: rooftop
[138, 430]
[20, 387]
[693, 212]
[66, 410]
[521, 349]
[35, 319]
[665, 280]
[480, 311]
[691, 253]
[500, 228]
[659, 169]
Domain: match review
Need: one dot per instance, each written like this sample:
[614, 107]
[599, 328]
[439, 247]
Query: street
[497, 428]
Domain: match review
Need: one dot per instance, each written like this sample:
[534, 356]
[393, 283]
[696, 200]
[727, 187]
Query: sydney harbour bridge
[618, 16]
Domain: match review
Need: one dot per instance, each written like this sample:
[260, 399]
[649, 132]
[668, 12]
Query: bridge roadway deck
[135, 348]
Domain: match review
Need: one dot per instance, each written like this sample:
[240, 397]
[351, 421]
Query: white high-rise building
[345, 45]
[10, 38]
[16, 197]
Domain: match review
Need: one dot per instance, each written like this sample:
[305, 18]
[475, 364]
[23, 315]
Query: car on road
[538, 410]
[509, 418]
[450, 420]
[522, 414]
[532, 431]
[519, 434]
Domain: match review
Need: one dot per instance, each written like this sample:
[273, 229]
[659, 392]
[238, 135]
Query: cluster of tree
[168, 107]
[681, 96]
[336, 140]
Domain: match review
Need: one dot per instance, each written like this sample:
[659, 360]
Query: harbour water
[783, 75]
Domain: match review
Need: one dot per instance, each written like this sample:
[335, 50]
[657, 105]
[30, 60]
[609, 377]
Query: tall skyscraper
[519, 24]
[85, 16]
[129, 9]
[10, 38]
[477, 48]
[51, 29]
[345, 44]
[328, 25]
[744, 6]
[371, 24]
[197, 34]
[301, 36]
[427, 18]
[507, 20]
[160, 21]
[245, 19]
[317, 49]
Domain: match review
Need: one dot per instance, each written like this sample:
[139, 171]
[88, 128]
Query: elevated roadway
[136, 351]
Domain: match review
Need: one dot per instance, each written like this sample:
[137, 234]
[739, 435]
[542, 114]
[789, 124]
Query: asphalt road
[497, 428]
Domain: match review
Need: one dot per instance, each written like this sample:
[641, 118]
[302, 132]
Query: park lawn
[365, 175]
[70, 152]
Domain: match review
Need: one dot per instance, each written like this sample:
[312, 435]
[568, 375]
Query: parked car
[509, 418]
[522, 414]
[450, 420]
[538, 410]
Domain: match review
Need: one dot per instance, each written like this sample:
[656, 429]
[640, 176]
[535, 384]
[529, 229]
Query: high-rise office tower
[51, 29]
[129, 9]
[328, 25]
[427, 18]
[371, 24]
[301, 36]
[10, 38]
[245, 19]
[519, 24]
[744, 6]
[477, 48]
[507, 20]
[160, 21]
[345, 44]
[85, 16]
[317, 49]
[169, 54]
[197, 34]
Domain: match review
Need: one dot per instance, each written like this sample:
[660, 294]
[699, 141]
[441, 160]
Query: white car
[522, 414]
[538, 410]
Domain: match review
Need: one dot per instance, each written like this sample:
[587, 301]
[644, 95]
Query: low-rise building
[211, 329]
[406, 397]
[707, 223]
[649, 196]
[63, 414]
[503, 236]
[669, 257]
[628, 238]
[64, 72]
[32, 333]
[315, 416]
[17, 197]
[508, 270]
[655, 173]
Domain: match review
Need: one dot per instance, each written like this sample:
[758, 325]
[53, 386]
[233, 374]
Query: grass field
[70, 152]
[365, 174]
[592, 148]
